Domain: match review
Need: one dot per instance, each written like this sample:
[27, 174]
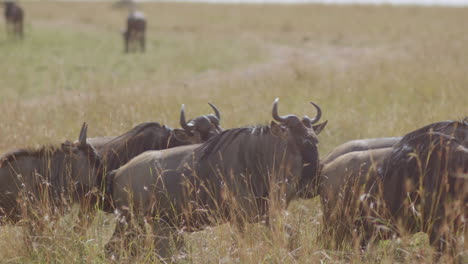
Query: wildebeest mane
[225, 138]
[16, 154]
[438, 127]
[143, 137]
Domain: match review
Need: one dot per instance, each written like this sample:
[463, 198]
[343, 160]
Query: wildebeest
[342, 179]
[116, 151]
[352, 184]
[135, 31]
[14, 17]
[238, 176]
[49, 176]
[425, 187]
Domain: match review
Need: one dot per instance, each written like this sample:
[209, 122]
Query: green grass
[375, 71]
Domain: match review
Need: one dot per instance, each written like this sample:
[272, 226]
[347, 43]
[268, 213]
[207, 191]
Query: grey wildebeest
[14, 17]
[46, 178]
[237, 176]
[360, 145]
[116, 151]
[135, 33]
[374, 185]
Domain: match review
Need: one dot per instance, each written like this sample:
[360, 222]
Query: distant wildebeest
[14, 17]
[52, 177]
[364, 189]
[135, 31]
[116, 151]
[238, 176]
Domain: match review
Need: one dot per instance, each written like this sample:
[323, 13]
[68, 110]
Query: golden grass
[375, 71]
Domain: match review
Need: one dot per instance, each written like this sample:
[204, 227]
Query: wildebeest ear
[318, 128]
[181, 135]
[277, 130]
[83, 134]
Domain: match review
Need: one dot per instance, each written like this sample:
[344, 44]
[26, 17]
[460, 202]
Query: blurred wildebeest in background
[135, 33]
[352, 184]
[46, 178]
[238, 176]
[14, 17]
[116, 151]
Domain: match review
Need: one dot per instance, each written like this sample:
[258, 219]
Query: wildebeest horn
[218, 115]
[275, 112]
[318, 116]
[183, 123]
[289, 119]
[83, 134]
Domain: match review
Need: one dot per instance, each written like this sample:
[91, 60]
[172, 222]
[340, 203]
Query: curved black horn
[318, 116]
[183, 123]
[83, 134]
[218, 115]
[274, 112]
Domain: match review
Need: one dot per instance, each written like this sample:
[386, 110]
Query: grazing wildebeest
[49, 176]
[116, 151]
[425, 187]
[360, 145]
[341, 179]
[238, 176]
[14, 16]
[356, 180]
[135, 31]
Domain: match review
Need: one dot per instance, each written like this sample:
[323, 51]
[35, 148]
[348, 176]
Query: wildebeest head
[304, 134]
[199, 129]
[83, 159]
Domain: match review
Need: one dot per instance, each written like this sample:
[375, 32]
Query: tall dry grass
[374, 70]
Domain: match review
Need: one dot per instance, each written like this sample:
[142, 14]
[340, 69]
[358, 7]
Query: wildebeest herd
[134, 34]
[201, 175]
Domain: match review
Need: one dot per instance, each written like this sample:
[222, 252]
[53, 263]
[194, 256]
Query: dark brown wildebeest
[116, 151]
[50, 176]
[14, 17]
[135, 31]
[238, 176]
[353, 181]
[425, 187]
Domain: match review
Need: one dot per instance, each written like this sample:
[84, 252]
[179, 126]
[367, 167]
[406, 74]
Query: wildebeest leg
[123, 236]
[8, 27]
[126, 41]
[20, 29]
[142, 41]
[86, 216]
[164, 232]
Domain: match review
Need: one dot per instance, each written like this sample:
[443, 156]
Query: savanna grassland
[375, 71]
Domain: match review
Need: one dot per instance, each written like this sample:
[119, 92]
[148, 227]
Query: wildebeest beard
[311, 164]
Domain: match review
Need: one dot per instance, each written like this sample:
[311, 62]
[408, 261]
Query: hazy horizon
[375, 2]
